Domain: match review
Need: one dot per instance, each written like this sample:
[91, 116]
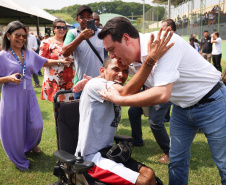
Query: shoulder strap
[94, 50]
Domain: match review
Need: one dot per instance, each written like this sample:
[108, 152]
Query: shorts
[107, 171]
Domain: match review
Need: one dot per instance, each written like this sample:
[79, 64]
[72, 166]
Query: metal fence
[193, 16]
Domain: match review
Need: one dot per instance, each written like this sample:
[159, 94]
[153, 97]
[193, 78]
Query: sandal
[37, 150]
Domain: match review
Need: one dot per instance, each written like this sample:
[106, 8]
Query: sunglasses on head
[18, 35]
[61, 27]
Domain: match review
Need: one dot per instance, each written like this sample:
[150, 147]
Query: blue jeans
[210, 118]
[35, 77]
[77, 95]
[156, 119]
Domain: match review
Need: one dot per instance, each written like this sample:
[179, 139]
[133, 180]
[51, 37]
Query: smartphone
[91, 25]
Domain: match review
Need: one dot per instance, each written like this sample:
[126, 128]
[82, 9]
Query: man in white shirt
[157, 114]
[216, 52]
[32, 45]
[32, 41]
[182, 76]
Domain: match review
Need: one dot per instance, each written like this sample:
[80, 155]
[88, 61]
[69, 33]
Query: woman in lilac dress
[20, 116]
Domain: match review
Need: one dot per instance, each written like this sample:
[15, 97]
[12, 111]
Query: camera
[19, 76]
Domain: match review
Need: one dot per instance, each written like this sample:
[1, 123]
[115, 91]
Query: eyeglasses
[61, 27]
[96, 19]
[18, 35]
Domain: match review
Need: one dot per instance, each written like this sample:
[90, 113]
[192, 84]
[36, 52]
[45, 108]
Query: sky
[58, 4]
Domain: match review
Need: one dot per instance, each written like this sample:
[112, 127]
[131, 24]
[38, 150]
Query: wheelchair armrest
[65, 157]
[82, 167]
[119, 138]
[79, 167]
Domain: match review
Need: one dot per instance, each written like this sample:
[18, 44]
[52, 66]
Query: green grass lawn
[202, 168]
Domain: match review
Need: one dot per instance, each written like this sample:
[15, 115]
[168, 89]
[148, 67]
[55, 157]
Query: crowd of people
[210, 47]
[162, 61]
[197, 19]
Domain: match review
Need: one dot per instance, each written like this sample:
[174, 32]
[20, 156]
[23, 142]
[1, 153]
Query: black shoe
[135, 145]
[158, 181]
[166, 120]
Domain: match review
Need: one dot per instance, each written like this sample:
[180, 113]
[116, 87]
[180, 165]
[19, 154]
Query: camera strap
[94, 50]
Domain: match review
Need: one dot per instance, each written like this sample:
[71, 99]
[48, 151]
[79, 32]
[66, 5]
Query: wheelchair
[68, 168]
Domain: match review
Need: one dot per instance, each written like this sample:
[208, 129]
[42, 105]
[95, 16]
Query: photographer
[86, 61]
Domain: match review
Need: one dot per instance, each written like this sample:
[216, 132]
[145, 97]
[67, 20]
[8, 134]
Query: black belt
[206, 98]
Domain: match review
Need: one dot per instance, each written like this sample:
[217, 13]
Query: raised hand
[157, 48]
[86, 34]
[81, 84]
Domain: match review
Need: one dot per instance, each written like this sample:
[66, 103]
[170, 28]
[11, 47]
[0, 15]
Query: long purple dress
[20, 116]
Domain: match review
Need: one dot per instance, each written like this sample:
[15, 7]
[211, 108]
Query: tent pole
[37, 25]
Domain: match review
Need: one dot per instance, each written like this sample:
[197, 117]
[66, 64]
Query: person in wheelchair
[97, 127]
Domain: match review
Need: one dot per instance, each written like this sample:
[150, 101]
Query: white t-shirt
[98, 120]
[192, 76]
[32, 42]
[217, 47]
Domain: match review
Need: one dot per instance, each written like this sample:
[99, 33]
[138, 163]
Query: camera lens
[18, 76]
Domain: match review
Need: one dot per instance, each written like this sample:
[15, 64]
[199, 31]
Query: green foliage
[67, 18]
[115, 6]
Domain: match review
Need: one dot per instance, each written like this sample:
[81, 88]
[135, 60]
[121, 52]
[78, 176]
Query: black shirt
[206, 45]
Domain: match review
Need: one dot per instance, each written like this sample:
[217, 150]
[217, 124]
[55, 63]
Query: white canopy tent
[11, 10]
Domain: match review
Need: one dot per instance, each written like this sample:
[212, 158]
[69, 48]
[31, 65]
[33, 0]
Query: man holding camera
[86, 61]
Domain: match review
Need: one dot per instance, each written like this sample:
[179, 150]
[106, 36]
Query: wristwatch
[59, 62]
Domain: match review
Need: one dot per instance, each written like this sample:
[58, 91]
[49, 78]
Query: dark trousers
[167, 116]
[156, 119]
[35, 77]
[77, 95]
[217, 62]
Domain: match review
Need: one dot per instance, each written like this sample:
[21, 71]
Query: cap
[82, 8]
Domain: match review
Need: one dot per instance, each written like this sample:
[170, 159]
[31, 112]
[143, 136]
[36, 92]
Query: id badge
[24, 84]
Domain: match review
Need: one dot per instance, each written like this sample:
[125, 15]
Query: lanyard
[23, 66]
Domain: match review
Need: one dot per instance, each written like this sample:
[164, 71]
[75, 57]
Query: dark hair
[206, 31]
[107, 61]
[11, 27]
[116, 27]
[216, 33]
[57, 21]
[170, 22]
[192, 40]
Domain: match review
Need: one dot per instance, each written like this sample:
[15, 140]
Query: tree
[115, 6]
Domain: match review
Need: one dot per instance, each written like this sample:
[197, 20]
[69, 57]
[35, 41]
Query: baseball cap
[82, 8]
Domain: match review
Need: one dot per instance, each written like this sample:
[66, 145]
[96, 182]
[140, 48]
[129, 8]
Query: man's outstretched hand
[81, 84]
